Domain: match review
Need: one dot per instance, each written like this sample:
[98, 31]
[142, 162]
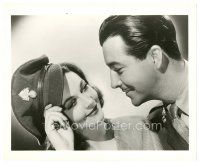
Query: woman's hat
[36, 84]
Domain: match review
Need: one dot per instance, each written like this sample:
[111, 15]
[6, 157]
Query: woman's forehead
[73, 82]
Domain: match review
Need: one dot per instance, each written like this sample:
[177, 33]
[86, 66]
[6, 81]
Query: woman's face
[81, 101]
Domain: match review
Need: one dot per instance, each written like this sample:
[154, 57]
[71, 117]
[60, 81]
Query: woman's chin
[95, 120]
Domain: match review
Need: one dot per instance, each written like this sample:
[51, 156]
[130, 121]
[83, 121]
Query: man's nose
[115, 80]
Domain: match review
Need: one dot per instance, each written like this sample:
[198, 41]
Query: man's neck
[173, 82]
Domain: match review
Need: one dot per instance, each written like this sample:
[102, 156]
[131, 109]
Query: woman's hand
[61, 138]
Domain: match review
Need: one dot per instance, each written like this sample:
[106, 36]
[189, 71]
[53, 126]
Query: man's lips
[93, 110]
[126, 90]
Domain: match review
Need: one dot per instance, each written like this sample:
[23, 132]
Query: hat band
[41, 85]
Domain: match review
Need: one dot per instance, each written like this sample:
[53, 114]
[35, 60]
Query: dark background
[22, 140]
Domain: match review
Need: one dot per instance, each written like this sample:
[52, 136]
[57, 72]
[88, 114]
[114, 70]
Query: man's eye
[119, 70]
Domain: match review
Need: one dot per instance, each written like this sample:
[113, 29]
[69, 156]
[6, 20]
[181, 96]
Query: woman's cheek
[79, 116]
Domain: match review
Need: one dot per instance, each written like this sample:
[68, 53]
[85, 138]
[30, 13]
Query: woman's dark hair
[66, 67]
[79, 140]
[142, 32]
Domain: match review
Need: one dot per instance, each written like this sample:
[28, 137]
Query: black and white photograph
[100, 83]
[80, 82]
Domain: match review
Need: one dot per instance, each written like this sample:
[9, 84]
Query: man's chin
[136, 102]
[136, 99]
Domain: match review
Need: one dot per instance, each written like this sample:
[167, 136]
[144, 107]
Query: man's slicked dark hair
[140, 33]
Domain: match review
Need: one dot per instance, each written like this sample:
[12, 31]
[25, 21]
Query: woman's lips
[93, 112]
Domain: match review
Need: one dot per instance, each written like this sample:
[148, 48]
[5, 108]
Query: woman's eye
[70, 103]
[73, 103]
[84, 87]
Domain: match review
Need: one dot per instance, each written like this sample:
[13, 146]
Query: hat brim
[53, 86]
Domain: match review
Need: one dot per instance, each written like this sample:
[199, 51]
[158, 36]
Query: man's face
[137, 78]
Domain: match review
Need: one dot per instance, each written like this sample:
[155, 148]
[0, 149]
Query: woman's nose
[89, 102]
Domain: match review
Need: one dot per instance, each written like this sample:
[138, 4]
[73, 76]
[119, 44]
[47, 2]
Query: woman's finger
[52, 119]
[54, 109]
[48, 109]
[48, 106]
[56, 114]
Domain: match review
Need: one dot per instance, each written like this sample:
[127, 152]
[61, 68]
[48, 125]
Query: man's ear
[159, 58]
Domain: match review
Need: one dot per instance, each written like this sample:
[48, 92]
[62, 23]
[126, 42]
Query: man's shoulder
[128, 119]
[132, 128]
